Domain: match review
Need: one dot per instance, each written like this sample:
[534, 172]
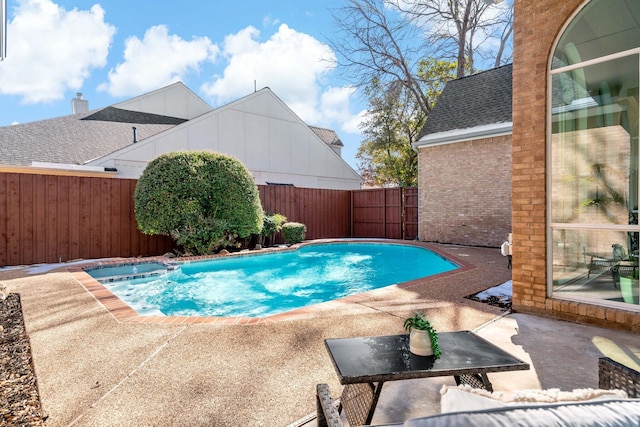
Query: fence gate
[390, 213]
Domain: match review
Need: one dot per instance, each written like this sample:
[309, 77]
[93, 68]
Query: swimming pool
[267, 284]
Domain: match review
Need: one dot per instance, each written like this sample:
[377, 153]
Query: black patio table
[372, 361]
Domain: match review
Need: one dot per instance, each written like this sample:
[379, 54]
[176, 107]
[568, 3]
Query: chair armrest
[327, 413]
[614, 375]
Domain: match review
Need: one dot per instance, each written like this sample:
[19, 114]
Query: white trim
[594, 61]
[596, 227]
[3, 29]
[67, 166]
[461, 135]
[36, 170]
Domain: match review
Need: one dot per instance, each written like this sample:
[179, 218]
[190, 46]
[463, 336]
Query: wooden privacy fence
[326, 213]
[54, 218]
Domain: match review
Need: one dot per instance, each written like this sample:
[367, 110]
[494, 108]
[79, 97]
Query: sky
[113, 50]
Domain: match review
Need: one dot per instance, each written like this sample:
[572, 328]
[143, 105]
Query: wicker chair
[599, 263]
[614, 375]
[328, 415]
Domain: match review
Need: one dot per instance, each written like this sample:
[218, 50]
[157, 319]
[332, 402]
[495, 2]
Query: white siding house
[259, 129]
[119, 140]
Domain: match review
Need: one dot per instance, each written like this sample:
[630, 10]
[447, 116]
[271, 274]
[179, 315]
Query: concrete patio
[94, 370]
[562, 355]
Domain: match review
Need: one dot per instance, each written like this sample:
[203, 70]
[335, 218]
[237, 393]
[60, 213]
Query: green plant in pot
[423, 338]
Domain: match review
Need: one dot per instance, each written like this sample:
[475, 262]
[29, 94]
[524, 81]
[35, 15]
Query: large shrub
[204, 200]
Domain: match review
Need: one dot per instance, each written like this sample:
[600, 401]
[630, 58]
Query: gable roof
[175, 100]
[471, 106]
[329, 136]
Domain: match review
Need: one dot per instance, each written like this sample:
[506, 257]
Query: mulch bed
[19, 398]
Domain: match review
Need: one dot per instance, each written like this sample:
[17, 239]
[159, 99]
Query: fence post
[351, 213]
[402, 214]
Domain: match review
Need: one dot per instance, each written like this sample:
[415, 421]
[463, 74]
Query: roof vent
[79, 105]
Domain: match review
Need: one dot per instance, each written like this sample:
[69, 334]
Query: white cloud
[334, 102]
[157, 60]
[294, 65]
[352, 124]
[290, 63]
[53, 50]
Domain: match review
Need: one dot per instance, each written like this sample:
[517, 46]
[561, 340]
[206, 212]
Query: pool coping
[122, 312]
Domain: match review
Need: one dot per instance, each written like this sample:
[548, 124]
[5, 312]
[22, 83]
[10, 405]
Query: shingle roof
[476, 100]
[113, 114]
[73, 139]
[329, 136]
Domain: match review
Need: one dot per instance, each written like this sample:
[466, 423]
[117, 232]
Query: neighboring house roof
[113, 114]
[329, 136]
[79, 138]
[73, 139]
[471, 107]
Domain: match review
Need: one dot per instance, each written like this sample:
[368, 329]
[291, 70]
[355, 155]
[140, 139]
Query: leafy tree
[204, 200]
[393, 123]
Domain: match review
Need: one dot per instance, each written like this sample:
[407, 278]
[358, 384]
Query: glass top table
[368, 360]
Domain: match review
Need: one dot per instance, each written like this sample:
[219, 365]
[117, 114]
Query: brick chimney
[79, 105]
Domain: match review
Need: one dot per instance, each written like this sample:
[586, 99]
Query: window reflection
[594, 157]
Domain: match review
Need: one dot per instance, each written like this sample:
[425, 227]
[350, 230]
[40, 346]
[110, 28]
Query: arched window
[592, 144]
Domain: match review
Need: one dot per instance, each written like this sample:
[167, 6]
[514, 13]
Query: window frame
[554, 226]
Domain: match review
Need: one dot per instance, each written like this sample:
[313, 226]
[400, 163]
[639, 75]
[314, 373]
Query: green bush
[204, 200]
[271, 225]
[293, 232]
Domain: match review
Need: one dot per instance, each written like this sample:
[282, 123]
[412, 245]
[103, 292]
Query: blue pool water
[263, 285]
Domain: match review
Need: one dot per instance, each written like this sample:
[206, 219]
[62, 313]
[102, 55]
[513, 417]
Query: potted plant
[423, 339]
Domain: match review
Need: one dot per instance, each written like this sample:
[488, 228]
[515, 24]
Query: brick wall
[537, 25]
[465, 192]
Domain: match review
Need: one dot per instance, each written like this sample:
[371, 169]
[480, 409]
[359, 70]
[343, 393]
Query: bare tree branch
[454, 25]
[377, 43]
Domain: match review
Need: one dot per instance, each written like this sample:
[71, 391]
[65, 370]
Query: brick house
[575, 157]
[467, 201]
[564, 160]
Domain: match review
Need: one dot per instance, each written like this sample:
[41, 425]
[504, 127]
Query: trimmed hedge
[204, 200]
[293, 232]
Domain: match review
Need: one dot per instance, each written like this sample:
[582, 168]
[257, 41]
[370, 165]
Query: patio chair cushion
[466, 398]
[625, 412]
